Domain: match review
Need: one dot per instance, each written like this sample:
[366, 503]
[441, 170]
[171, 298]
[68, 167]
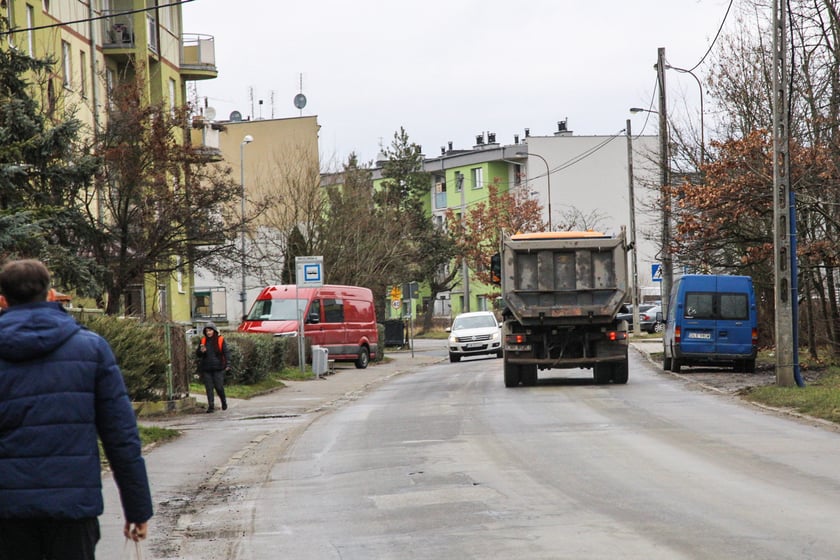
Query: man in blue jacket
[60, 388]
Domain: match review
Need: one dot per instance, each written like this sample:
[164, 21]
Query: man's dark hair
[24, 281]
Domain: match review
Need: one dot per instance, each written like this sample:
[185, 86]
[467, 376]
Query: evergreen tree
[46, 172]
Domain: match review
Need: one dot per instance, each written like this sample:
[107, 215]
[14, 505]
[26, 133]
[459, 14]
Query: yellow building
[277, 163]
[96, 44]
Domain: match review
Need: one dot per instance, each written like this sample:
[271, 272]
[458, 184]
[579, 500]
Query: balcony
[118, 30]
[198, 57]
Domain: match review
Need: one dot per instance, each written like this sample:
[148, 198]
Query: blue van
[711, 321]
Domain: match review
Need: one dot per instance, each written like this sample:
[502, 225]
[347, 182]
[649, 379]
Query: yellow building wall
[83, 67]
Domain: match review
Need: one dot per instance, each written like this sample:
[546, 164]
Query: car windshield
[474, 322]
[277, 310]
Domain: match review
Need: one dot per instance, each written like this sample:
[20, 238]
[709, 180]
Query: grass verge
[819, 398]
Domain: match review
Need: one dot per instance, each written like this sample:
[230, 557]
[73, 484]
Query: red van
[340, 318]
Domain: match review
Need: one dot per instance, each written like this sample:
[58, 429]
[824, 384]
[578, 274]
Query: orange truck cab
[340, 318]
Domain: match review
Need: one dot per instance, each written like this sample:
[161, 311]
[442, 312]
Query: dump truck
[561, 293]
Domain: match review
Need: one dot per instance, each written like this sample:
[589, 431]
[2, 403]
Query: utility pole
[634, 276]
[465, 270]
[667, 262]
[784, 252]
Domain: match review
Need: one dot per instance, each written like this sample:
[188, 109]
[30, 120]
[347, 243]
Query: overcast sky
[447, 70]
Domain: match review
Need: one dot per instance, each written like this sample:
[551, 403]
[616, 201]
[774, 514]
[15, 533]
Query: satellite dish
[236, 116]
[300, 101]
[210, 113]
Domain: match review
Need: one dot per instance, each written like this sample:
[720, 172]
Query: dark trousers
[214, 380]
[48, 539]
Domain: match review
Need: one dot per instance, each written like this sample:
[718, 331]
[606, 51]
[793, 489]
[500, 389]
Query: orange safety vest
[221, 342]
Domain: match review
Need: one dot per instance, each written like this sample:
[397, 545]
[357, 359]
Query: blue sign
[310, 271]
[656, 272]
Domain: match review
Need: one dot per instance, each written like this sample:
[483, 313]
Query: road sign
[310, 271]
[656, 272]
[396, 304]
[396, 293]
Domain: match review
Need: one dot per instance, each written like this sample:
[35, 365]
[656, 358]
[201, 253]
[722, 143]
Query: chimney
[527, 132]
[516, 139]
[479, 139]
[491, 137]
[450, 145]
[562, 129]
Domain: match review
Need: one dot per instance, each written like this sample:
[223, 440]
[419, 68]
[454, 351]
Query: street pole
[702, 112]
[634, 276]
[784, 248]
[465, 270]
[667, 262]
[547, 180]
[243, 294]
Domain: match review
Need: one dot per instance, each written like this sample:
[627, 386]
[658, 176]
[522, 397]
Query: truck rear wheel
[512, 375]
[601, 373]
[529, 375]
[620, 373]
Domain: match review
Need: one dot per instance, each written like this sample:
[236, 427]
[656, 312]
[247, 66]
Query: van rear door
[699, 326]
[717, 317]
[734, 326]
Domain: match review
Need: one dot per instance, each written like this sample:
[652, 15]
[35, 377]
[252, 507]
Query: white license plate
[700, 335]
[475, 345]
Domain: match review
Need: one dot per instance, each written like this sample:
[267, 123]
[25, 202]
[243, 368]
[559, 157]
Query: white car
[474, 334]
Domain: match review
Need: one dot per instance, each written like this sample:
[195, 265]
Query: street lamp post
[634, 298]
[548, 182]
[243, 294]
[666, 265]
[702, 127]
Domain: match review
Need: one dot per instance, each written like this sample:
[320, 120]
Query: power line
[87, 20]
[725, 16]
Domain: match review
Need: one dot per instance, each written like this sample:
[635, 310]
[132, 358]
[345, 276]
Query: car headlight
[497, 335]
[452, 340]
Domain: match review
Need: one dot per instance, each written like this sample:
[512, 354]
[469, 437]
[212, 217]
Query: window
[734, 306]
[66, 65]
[83, 73]
[712, 305]
[333, 311]
[109, 84]
[172, 96]
[10, 15]
[477, 177]
[699, 305]
[30, 33]
[179, 274]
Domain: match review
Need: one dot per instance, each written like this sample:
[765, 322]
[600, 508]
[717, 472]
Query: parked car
[652, 321]
[629, 315]
[474, 334]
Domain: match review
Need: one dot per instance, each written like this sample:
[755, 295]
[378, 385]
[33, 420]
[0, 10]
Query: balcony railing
[117, 30]
[198, 56]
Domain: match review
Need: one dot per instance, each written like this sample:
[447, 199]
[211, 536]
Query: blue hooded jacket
[60, 387]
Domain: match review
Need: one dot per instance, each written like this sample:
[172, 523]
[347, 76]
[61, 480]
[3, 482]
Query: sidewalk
[211, 444]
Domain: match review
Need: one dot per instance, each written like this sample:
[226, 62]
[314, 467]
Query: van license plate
[700, 335]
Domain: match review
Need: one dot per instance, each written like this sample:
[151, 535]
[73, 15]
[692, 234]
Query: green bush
[140, 351]
[254, 357]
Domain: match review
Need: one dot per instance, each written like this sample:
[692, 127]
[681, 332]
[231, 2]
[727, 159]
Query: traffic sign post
[656, 272]
[309, 273]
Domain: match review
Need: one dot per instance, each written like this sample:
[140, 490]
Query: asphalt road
[426, 459]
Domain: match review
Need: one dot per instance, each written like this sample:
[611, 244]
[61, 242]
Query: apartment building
[582, 177]
[96, 44]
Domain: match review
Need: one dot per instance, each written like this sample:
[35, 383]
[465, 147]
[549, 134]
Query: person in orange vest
[213, 362]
